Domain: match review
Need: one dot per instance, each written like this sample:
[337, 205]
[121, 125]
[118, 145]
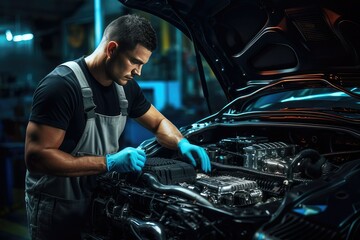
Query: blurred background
[36, 36]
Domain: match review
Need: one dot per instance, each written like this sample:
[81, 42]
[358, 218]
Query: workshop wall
[170, 80]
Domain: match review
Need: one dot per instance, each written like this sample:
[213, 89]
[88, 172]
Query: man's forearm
[59, 163]
[168, 135]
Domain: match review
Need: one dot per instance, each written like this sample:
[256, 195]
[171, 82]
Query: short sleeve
[138, 104]
[54, 101]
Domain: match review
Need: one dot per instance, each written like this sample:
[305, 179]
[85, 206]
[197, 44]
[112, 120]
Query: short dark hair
[130, 30]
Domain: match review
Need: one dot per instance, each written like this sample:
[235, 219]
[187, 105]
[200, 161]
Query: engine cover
[169, 171]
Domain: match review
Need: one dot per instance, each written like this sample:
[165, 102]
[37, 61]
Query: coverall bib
[58, 207]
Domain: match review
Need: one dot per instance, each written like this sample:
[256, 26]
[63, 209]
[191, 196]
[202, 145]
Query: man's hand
[187, 149]
[127, 160]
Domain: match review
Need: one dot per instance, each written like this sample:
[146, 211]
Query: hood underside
[254, 40]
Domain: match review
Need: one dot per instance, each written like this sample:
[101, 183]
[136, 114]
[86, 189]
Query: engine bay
[251, 175]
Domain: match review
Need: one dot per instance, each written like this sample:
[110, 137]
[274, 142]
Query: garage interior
[37, 36]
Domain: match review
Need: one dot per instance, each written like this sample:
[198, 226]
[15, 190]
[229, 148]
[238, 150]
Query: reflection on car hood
[252, 42]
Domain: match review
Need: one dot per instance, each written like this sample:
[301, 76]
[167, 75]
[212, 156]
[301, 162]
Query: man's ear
[111, 48]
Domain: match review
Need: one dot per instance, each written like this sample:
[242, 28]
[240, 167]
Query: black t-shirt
[57, 102]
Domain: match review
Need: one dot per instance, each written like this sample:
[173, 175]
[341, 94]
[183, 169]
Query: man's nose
[137, 71]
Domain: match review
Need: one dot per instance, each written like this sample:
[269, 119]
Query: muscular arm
[42, 154]
[167, 134]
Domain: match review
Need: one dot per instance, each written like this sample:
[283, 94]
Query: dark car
[284, 150]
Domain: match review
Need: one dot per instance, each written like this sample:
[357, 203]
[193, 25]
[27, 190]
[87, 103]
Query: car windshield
[309, 98]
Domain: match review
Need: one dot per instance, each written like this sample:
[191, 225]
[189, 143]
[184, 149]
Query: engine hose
[141, 228]
[174, 189]
[307, 153]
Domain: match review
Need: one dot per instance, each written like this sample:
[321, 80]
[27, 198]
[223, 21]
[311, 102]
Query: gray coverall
[58, 207]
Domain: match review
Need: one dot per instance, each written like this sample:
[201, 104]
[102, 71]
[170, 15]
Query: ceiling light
[8, 35]
[23, 37]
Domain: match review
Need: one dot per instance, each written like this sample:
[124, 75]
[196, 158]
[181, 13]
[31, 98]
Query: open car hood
[284, 153]
[255, 42]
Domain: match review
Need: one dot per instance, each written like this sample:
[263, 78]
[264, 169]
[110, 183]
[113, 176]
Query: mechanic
[78, 114]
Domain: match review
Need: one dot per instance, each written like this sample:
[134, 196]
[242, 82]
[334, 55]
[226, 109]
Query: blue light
[23, 37]
[9, 35]
[18, 38]
[98, 21]
[323, 95]
[260, 236]
[308, 210]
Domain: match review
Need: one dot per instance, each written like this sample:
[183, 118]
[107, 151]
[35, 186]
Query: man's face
[123, 66]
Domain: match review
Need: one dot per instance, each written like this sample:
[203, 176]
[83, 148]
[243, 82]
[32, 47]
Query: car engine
[250, 180]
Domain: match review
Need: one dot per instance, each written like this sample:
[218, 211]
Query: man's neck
[96, 65]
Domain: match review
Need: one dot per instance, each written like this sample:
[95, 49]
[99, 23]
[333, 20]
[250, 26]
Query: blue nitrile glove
[187, 149]
[127, 160]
